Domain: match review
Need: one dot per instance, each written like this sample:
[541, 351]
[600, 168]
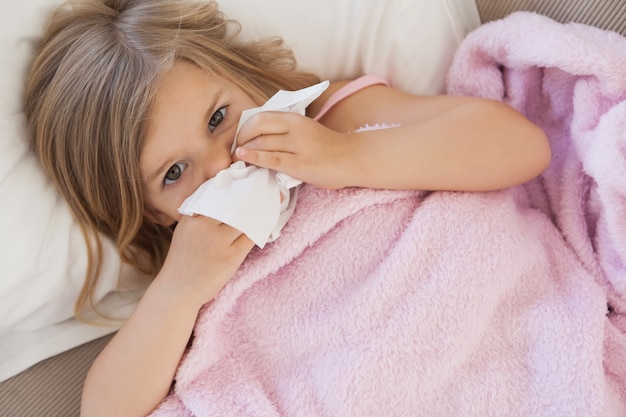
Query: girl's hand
[134, 372]
[203, 256]
[297, 145]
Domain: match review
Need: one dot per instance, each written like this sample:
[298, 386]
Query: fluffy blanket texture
[393, 303]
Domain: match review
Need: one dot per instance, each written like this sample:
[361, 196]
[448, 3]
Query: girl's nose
[215, 162]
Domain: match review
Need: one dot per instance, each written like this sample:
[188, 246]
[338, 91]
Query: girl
[132, 104]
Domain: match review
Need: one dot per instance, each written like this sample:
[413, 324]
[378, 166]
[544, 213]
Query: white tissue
[256, 201]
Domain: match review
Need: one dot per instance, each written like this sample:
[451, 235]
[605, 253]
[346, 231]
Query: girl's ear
[158, 217]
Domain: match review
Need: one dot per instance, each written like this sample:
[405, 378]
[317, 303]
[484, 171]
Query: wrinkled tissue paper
[256, 201]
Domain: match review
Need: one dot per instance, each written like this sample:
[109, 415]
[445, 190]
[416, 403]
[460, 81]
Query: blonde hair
[89, 94]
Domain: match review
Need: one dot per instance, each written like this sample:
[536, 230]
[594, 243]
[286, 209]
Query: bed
[47, 380]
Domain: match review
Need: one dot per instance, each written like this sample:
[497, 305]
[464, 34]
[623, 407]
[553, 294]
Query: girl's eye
[174, 173]
[217, 118]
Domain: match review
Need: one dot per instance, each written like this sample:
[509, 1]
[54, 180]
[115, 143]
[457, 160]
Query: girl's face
[191, 131]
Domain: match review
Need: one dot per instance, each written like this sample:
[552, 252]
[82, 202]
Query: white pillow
[410, 43]
[42, 253]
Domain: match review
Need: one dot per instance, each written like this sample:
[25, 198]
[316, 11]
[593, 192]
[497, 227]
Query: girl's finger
[278, 161]
[268, 143]
[243, 243]
[264, 124]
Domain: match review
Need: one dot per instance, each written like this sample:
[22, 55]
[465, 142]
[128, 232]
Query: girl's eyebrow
[214, 103]
[157, 172]
[207, 116]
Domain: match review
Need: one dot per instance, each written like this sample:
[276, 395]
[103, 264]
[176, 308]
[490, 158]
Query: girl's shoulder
[339, 90]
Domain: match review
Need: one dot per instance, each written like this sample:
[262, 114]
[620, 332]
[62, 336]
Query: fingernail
[240, 152]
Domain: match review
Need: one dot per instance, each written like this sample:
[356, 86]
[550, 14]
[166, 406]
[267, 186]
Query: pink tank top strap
[349, 89]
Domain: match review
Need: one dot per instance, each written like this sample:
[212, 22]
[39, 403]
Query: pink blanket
[392, 303]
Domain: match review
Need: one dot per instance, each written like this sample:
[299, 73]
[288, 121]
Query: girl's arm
[134, 372]
[442, 143]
